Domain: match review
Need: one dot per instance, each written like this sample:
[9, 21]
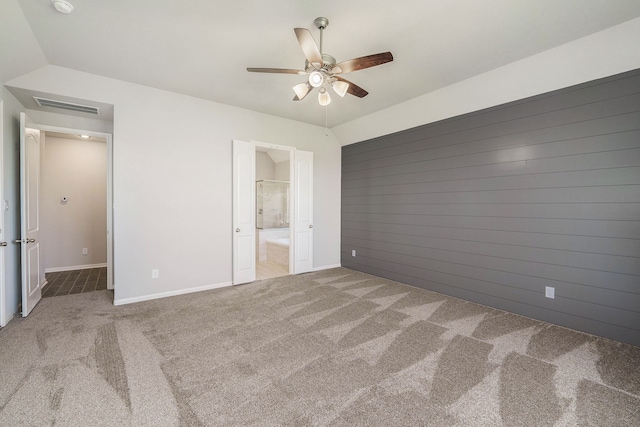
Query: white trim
[10, 317]
[109, 138]
[150, 297]
[74, 267]
[170, 293]
[110, 268]
[272, 146]
[326, 267]
[4, 318]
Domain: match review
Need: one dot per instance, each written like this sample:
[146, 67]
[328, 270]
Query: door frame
[294, 267]
[109, 138]
[291, 212]
[3, 294]
[235, 277]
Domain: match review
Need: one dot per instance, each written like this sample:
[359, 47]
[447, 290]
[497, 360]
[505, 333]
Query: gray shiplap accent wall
[495, 205]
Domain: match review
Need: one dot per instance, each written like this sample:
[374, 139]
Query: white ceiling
[202, 47]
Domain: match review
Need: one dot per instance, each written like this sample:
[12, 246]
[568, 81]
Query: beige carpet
[336, 347]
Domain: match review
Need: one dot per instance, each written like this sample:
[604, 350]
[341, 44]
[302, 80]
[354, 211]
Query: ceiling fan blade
[309, 46]
[295, 98]
[353, 88]
[362, 63]
[277, 70]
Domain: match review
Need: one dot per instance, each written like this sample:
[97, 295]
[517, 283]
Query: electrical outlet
[353, 252]
[549, 292]
[155, 274]
[85, 251]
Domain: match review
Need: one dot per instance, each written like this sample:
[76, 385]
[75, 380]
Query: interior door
[244, 185]
[303, 214]
[30, 149]
[3, 300]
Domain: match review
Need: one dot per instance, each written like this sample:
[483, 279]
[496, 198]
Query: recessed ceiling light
[62, 6]
[84, 136]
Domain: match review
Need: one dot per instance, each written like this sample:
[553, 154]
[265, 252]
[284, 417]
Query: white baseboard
[5, 322]
[74, 267]
[124, 301]
[326, 267]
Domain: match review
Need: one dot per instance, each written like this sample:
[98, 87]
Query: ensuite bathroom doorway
[254, 162]
[273, 212]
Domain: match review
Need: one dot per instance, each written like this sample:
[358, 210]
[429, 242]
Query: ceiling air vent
[44, 102]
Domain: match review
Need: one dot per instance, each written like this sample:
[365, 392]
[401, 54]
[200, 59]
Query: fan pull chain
[326, 132]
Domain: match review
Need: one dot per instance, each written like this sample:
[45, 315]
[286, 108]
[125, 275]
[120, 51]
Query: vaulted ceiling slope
[201, 48]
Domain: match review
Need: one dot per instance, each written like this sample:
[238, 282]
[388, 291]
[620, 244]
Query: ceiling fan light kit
[316, 78]
[302, 89]
[322, 69]
[323, 97]
[340, 87]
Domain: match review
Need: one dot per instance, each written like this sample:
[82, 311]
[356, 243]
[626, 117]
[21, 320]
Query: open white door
[3, 298]
[30, 216]
[244, 187]
[303, 214]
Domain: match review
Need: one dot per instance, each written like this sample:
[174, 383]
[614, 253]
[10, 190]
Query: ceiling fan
[322, 69]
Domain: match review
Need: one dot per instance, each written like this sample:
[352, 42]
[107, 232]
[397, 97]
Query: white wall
[172, 155]
[172, 180]
[282, 170]
[77, 170]
[11, 193]
[20, 52]
[70, 122]
[608, 52]
[265, 167]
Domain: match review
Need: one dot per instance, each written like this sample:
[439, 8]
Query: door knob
[237, 230]
[310, 226]
[23, 241]
[3, 243]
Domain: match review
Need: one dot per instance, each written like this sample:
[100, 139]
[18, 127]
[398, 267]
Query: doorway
[273, 212]
[74, 213]
[244, 211]
[86, 156]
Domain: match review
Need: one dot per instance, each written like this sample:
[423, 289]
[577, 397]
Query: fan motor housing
[328, 62]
